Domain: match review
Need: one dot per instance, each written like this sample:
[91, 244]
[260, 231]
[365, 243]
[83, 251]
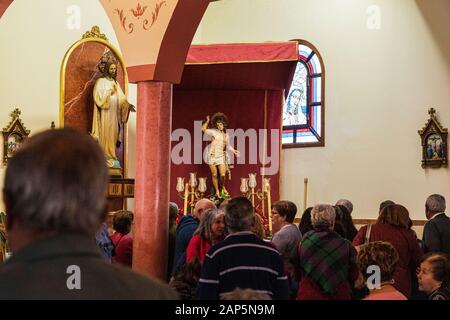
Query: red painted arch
[178, 38]
[172, 50]
[157, 55]
[4, 4]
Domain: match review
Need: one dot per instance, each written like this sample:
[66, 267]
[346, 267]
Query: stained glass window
[304, 105]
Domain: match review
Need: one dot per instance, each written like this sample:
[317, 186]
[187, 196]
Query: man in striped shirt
[242, 260]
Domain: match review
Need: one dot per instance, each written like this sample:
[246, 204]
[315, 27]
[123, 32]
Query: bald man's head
[201, 206]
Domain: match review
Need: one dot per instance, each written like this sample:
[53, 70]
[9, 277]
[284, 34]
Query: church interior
[327, 100]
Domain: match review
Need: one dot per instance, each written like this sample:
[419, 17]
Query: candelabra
[248, 189]
[193, 190]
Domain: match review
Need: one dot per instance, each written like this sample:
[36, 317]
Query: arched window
[303, 110]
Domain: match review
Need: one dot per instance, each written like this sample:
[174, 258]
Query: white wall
[379, 86]
[34, 38]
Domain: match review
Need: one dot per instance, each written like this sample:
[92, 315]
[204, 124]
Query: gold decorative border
[93, 36]
[236, 62]
[243, 61]
[94, 33]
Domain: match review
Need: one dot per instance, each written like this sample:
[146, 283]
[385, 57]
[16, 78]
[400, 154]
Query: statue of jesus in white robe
[111, 111]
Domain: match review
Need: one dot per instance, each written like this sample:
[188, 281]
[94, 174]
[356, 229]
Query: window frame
[310, 104]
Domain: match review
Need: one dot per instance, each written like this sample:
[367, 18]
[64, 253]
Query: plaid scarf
[325, 258]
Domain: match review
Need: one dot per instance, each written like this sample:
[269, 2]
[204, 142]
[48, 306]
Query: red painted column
[153, 128]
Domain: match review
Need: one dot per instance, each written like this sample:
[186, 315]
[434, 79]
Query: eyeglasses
[423, 270]
[274, 213]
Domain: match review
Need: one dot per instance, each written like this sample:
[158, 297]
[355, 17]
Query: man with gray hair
[436, 233]
[242, 260]
[323, 217]
[346, 203]
[185, 230]
[327, 261]
[55, 198]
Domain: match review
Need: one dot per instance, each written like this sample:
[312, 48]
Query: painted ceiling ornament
[123, 21]
[155, 15]
[139, 12]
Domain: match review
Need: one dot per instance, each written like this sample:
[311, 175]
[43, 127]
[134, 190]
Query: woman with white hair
[209, 232]
[327, 261]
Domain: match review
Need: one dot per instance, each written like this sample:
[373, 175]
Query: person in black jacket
[305, 224]
[436, 233]
[55, 199]
[242, 260]
[185, 230]
[173, 214]
[344, 223]
[186, 280]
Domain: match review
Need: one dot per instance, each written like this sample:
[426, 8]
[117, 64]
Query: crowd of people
[325, 257]
[55, 199]
[214, 253]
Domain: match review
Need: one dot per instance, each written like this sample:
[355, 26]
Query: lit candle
[266, 184]
[192, 180]
[244, 185]
[180, 184]
[202, 184]
[252, 180]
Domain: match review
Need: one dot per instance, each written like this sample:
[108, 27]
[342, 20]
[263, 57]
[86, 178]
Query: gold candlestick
[269, 205]
[192, 198]
[186, 197]
[253, 197]
[191, 191]
[263, 190]
[252, 185]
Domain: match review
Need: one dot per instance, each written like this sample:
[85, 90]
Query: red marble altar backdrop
[81, 73]
[246, 109]
[4, 4]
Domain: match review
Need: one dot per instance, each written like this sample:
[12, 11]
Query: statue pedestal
[115, 172]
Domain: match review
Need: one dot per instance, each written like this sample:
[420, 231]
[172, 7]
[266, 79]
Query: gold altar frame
[94, 36]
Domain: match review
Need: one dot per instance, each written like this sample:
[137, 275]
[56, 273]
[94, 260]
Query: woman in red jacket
[122, 239]
[392, 227]
[209, 232]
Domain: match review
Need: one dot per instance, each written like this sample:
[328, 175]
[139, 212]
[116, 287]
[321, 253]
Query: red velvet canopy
[247, 83]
